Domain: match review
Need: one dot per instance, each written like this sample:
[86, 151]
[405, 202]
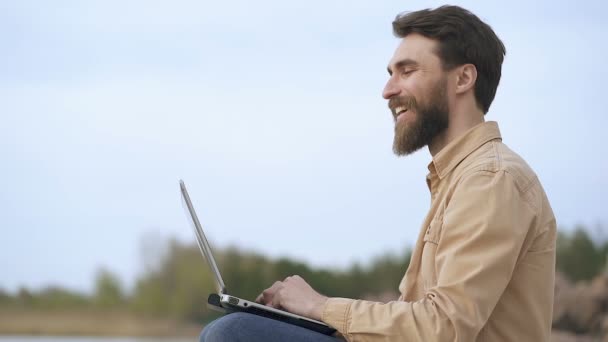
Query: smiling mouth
[399, 111]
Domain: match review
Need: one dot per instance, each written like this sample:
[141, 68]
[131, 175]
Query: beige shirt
[484, 264]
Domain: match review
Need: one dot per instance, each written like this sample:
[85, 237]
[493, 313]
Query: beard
[430, 119]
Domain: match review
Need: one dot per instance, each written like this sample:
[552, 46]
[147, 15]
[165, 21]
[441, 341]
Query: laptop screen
[202, 240]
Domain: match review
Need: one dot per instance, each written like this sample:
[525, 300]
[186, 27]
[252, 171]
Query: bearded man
[484, 263]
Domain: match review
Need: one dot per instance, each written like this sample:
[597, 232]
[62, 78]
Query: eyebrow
[402, 63]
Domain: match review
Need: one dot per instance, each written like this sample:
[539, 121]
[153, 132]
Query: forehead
[418, 48]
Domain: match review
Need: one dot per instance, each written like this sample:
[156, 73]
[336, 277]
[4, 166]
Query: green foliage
[150, 296]
[180, 281]
[189, 287]
[178, 288]
[50, 298]
[58, 298]
[25, 298]
[578, 257]
[181, 285]
[6, 300]
[108, 292]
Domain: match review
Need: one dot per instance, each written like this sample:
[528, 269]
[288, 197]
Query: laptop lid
[202, 240]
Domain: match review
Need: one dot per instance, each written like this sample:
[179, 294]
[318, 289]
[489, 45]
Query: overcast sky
[271, 111]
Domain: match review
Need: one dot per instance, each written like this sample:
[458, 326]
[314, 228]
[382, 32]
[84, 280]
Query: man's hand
[294, 295]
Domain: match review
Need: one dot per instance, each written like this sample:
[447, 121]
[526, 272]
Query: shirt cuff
[337, 313]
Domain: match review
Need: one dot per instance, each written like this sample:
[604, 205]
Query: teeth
[398, 110]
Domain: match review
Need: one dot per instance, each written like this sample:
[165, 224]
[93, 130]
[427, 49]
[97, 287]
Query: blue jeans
[241, 326]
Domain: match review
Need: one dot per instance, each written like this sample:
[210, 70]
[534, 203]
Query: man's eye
[407, 72]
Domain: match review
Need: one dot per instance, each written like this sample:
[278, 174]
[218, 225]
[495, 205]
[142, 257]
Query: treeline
[108, 294]
[179, 283]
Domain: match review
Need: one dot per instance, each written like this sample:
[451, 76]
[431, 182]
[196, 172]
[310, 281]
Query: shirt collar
[453, 153]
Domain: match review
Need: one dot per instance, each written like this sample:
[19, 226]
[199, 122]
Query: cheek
[415, 86]
[423, 93]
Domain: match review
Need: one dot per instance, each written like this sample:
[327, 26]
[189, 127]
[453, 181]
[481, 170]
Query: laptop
[228, 303]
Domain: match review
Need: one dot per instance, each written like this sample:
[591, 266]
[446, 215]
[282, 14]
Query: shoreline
[92, 323]
[115, 323]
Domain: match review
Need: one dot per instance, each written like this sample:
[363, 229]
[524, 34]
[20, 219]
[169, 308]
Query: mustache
[409, 102]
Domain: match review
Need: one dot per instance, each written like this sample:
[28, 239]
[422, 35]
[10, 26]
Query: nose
[390, 89]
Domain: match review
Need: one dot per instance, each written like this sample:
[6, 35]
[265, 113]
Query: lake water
[91, 339]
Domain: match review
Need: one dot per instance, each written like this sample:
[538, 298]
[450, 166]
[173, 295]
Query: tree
[577, 256]
[108, 292]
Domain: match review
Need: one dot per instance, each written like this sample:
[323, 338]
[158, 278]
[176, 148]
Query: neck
[460, 122]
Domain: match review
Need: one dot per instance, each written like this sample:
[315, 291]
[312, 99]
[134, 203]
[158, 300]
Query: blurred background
[271, 112]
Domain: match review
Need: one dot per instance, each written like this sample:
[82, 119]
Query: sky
[271, 112]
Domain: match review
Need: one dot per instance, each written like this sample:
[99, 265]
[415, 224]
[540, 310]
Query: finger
[294, 278]
[268, 294]
[274, 286]
[276, 299]
[260, 298]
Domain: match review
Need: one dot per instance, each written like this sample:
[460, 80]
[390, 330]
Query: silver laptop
[231, 303]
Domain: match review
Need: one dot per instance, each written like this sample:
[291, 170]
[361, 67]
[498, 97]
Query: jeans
[241, 326]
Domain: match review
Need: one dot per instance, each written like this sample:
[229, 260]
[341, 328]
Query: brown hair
[463, 38]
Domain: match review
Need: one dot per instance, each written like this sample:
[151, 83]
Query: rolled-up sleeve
[484, 226]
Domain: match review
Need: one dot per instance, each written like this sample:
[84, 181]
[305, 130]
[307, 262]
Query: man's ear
[465, 78]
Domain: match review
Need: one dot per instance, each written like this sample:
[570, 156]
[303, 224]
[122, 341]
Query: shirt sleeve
[484, 226]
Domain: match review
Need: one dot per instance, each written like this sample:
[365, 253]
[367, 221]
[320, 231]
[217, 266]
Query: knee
[223, 329]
